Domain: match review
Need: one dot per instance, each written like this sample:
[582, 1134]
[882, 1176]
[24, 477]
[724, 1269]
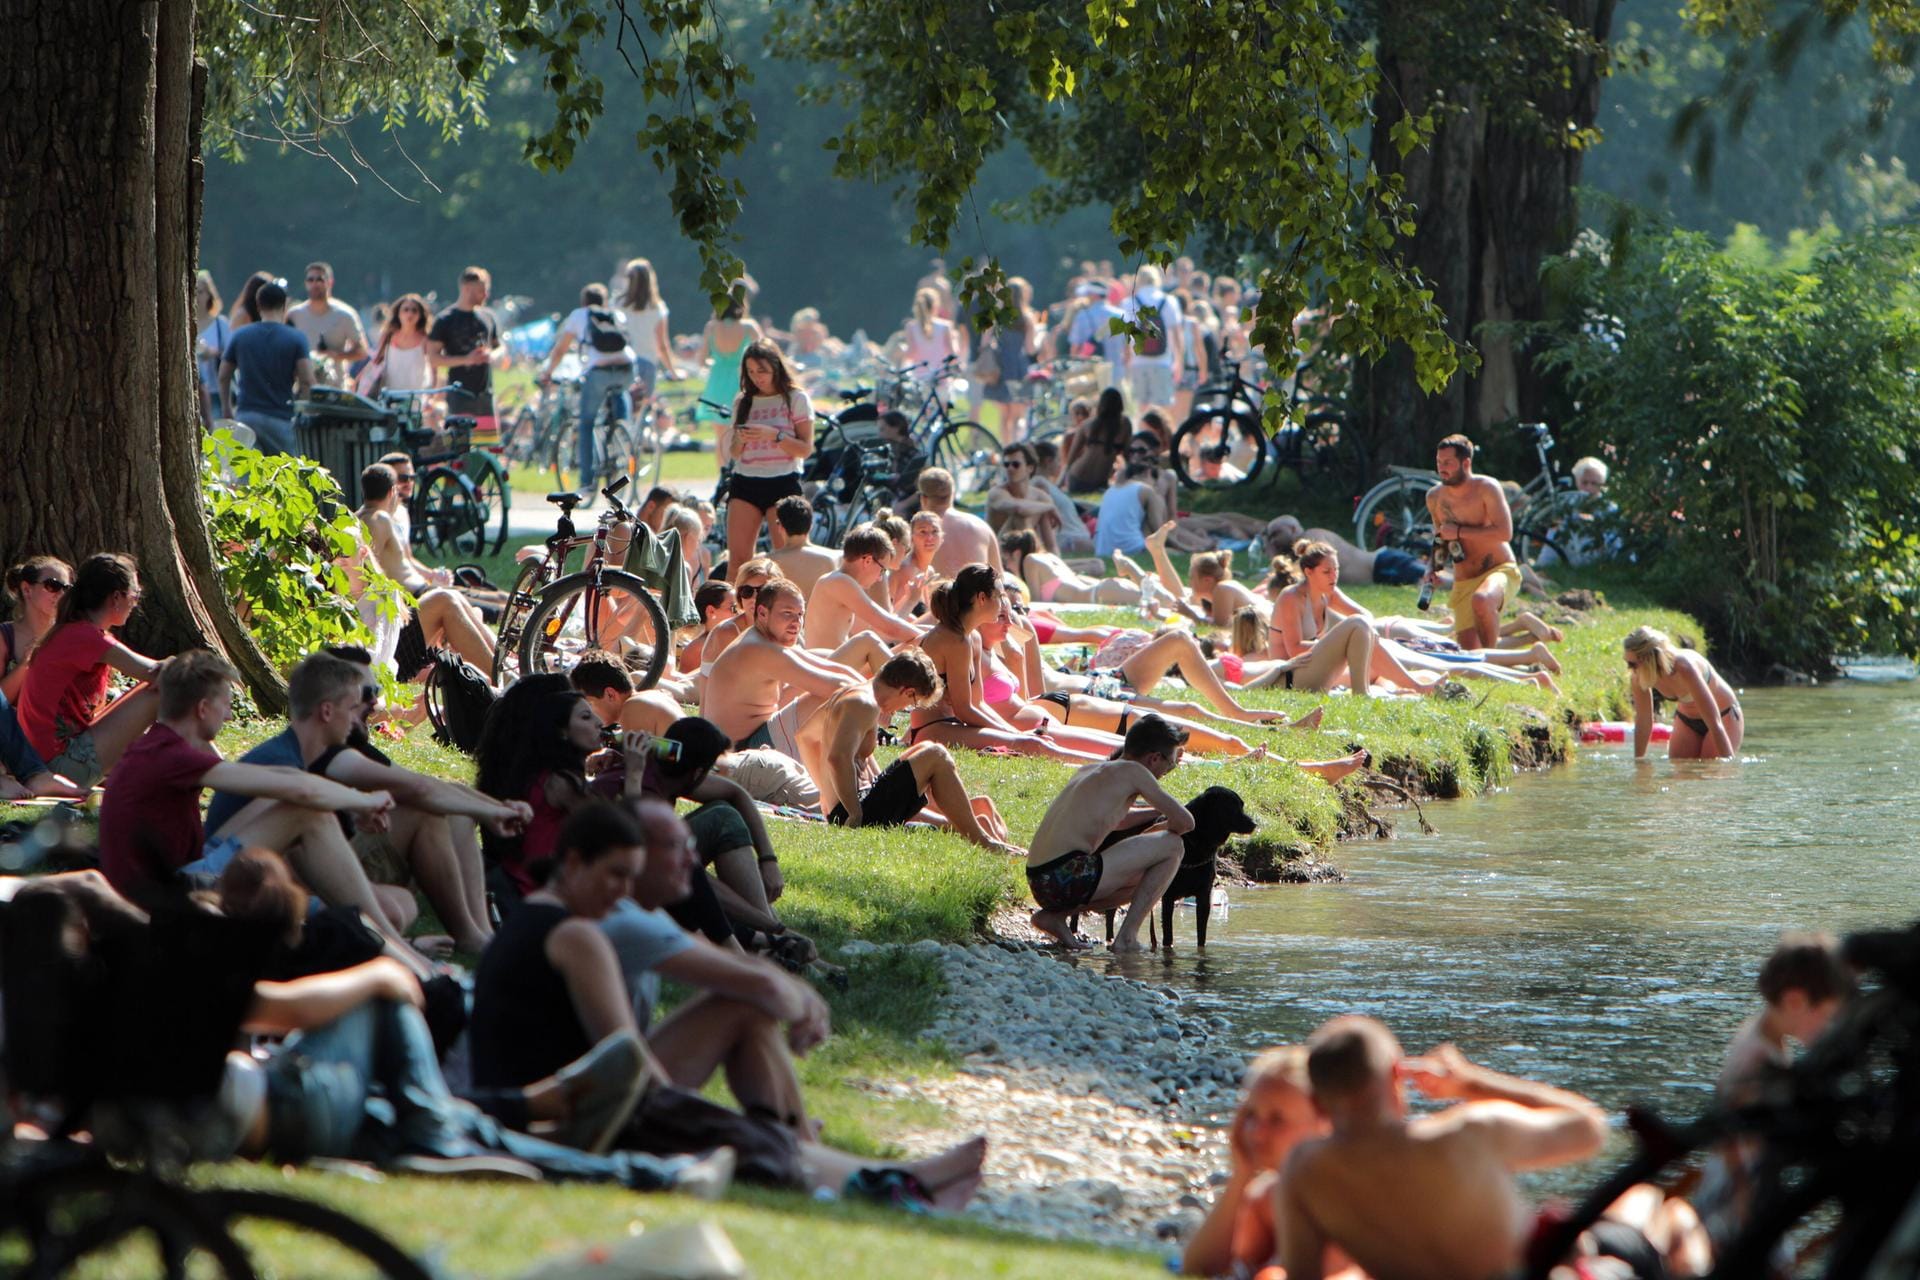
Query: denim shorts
[204, 871]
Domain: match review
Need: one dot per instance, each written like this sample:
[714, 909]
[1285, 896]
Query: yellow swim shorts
[1461, 598]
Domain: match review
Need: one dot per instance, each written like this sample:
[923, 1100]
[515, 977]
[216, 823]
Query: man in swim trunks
[765, 686]
[1424, 1196]
[1472, 511]
[837, 747]
[1071, 867]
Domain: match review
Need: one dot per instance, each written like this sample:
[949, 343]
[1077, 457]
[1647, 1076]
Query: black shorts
[893, 800]
[410, 650]
[762, 492]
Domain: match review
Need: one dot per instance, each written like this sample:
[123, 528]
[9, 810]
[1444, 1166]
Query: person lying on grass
[583, 960]
[1072, 868]
[837, 746]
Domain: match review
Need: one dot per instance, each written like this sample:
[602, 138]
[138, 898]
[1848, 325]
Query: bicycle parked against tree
[1394, 512]
[552, 616]
[1224, 442]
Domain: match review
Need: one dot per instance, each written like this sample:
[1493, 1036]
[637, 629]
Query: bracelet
[767, 857]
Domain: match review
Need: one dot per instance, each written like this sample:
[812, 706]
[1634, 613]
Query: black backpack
[1153, 331]
[604, 331]
[458, 701]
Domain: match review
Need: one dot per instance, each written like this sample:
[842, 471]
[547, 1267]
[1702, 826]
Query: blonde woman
[646, 326]
[927, 340]
[1707, 724]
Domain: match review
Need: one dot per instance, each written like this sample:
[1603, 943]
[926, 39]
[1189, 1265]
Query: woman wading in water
[1707, 724]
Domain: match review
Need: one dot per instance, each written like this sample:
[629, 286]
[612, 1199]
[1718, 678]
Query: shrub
[1761, 412]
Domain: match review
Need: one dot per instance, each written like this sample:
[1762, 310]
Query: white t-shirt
[576, 324]
[764, 457]
[1161, 303]
[643, 330]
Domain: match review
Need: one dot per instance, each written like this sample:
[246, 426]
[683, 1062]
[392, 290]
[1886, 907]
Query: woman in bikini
[1215, 597]
[1053, 581]
[1707, 724]
[965, 716]
[36, 586]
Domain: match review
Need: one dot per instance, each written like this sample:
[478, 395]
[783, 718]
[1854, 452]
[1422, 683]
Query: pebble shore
[1101, 1097]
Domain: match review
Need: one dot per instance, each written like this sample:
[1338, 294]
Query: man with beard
[765, 686]
[1472, 511]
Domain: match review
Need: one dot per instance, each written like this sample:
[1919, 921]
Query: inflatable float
[1619, 731]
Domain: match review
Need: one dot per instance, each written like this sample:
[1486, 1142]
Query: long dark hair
[641, 290]
[249, 293]
[1109, 425]
[99, 578]
[968, 585]
[526, 735]
[395, 324]
[766, 353]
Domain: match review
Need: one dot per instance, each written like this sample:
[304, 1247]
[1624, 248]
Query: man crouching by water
[1426, 1196]
[1070, 866]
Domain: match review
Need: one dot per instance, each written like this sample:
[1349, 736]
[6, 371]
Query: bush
[1762, 414]
[281, 537]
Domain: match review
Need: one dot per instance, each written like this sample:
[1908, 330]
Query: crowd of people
[612, 837]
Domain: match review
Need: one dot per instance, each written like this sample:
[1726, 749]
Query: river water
[1599, 925]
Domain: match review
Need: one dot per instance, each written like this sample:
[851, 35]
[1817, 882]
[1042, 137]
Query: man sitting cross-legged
[839, 604]
[1072, 869]
[800, 561]
[837, 747]
[1423, 1196]
[765, 686]
[150, 827]
[430, 836]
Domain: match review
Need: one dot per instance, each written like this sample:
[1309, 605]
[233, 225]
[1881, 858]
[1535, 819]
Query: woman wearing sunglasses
[36, 586]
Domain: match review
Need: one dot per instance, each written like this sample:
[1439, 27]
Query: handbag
[372, 372]
[985, 369]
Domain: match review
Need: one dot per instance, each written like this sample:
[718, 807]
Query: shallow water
[1597, 926]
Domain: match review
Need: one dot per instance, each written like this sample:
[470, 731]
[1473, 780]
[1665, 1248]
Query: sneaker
[603, 1087]
[473, 1166]
[708, 1177]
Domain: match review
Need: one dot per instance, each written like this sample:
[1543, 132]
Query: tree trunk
[97, 405]
[1494, 199]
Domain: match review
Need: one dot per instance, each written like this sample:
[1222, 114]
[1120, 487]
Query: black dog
[1218, 812]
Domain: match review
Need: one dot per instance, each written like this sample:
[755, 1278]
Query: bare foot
[434, 946]
[1545, 681]
[1544, 656]
[1311, 720]
[1258, 753]
[1540, 629]
[1011, 850]
[1127, 946]
[1054, 925]
[1126, 568]
[954, 1175]
[1158, 538]
[1334, 770]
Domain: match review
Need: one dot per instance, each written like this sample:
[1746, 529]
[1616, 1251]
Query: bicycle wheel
[1535, 545]
[972, 454]
[493, 490]
[1219, 447]
[68, 1216]
[1394, 514]
[243, 1209]
[448, 517]
[620, 615]
[649, 455]
[1328, 456]
[826, 521]
[513, 621]
[618, 458]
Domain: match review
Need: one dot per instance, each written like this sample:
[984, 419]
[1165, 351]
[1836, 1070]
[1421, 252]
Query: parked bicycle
[1394, 512]
[1051, 388]
[551, 616]
[463, 499]
[1224, 442]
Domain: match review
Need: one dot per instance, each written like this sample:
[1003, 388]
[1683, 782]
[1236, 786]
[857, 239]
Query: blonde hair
[1650, 642]
[1249, 634]
[1284, 1065]
[1147, 277]
[1311, 554]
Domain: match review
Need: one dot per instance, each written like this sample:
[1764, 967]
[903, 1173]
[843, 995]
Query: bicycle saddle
[853, 395]
[565, 501]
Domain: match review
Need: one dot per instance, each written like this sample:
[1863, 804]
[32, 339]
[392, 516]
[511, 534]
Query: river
[1598, 925]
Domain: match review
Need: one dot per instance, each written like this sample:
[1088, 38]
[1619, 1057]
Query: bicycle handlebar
[386, 394]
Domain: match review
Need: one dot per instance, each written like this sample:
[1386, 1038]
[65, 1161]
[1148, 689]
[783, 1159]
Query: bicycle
[1394, 512]
[463, 491]
[967, 450]
[1224, 444]
[551, 616]
[1051, 388]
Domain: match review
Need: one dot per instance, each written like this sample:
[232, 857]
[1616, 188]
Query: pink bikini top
[997, 684]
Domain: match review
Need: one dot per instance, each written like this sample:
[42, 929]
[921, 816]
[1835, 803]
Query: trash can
[344, 432]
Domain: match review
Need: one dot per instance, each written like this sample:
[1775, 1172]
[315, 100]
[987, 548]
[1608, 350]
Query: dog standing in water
[1218, 812]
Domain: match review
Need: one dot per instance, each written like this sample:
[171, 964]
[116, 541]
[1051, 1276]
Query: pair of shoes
[708, 1177]
[473, 1166]
[602, 1088]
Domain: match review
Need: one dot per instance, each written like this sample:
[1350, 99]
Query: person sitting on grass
[440, 618]
[754, 574]
[964, 538]
[23, 774]
[151, 833]
[765, 686]
[838, 603]
[714, 602]
[36, 586]
[926, 534]
[838, 743]
[1016, 503]
[583, 960]
[608, 688]
[533, 748]
[1072, 868]
[63, 706]
[1071, 537]
[800, 561]
[429, 837]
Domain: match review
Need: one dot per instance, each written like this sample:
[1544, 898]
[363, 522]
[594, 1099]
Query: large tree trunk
[1494, 199]
[97, 406]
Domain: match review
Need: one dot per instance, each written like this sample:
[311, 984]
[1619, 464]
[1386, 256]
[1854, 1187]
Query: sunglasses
[53, 586]
[1012, 463]
[746, 593]
[316, 279]
[369, 693]
[404, 477]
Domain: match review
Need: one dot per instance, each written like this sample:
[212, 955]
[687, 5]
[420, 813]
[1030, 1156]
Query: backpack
[1153, 339]
[463, 696]
[604, 331]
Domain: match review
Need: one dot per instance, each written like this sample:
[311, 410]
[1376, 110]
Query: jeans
[321, 1102]
[271, 434]
[593, 398]
[17, 755]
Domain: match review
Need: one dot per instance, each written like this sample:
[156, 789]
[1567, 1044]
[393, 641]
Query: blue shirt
[1091, 326]
[1122, 525]
[281, 749]
[264, 356]
[17, 755]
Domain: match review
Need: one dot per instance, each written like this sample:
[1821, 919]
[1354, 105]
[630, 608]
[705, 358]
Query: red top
[1043, 627]
[150, 818]
[542, 836]
[65, 688]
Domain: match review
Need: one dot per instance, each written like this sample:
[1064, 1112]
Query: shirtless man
[1389, 565]
[765, 687]
[608, 689]
[1070, 867]
[655, 506]
[800, 561]
[440, 617]
[964, 539]
[1015, 503]
[1472, 510]
[1430, 1197]
[838, 603]
[837, 748]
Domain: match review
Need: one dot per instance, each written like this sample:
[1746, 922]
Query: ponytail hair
[968, 585]
[100, 578]
[1311, 554]
[33, 570]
